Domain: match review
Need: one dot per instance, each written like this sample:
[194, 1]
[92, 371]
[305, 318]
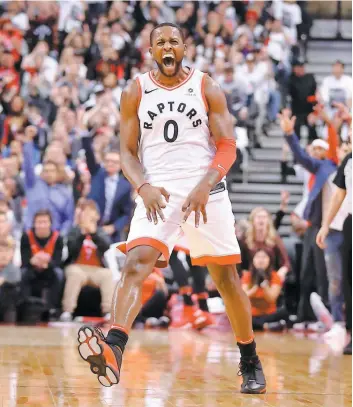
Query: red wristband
[144, 183]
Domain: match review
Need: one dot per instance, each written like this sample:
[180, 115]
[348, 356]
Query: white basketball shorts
[211, 243]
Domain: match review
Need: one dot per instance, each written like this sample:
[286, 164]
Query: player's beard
[161, 67]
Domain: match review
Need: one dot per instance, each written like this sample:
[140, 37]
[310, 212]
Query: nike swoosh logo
[221, 167]
[149, 91]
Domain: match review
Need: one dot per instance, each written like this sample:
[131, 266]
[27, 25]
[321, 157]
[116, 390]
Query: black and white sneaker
[254, 381]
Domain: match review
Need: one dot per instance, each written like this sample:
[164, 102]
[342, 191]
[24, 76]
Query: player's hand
[287, 121]
[196, 202]
[154, 202]
[321, 237]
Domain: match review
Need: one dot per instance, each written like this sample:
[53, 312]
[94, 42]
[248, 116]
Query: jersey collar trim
[192, 70]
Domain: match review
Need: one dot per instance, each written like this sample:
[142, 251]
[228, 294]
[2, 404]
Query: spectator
[6, 208]
[337, 88]
[236, 94]
[5, 227]
[263, 287]
[313, 263]
[14, 120]
[41, 252]
[110, 190]
[302, 86]
[86, 244]
[289, 12]
[45, 192]
[279, 50]
[9, 77]
[82, 182]
[251, 28]
[261, 234]
[10, 277]
[39, 68]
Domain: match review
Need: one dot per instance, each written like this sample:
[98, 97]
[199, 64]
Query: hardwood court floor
[39, 366]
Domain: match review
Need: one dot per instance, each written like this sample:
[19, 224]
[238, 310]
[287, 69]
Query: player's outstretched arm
[130, 163]
[221, 127]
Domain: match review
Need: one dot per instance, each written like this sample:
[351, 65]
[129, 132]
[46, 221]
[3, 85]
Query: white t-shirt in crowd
[69, 10]
[290, 14]
[336, 90]
[253, 79]
[278, 45]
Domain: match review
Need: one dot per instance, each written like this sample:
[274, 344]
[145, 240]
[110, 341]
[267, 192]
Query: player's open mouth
[168, 60]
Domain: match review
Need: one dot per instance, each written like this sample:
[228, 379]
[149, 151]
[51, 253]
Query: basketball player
[168, 154]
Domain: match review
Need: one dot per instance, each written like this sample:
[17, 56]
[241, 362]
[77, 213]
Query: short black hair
[167, 25]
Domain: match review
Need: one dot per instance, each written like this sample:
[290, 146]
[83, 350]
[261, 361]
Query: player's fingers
[293, 120]
[186, 205]
[204, 214]
[197, 217]
[154, 216]
[165, 193]
[187, 213]
[160, 213]
[148, 214]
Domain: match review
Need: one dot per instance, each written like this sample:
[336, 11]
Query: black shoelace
[248, 367]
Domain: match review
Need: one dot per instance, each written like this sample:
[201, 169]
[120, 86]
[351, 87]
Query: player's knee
[227, 279]
[137, 268]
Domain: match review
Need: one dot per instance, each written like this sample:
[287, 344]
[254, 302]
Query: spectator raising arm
[92, 164]
[287, 124]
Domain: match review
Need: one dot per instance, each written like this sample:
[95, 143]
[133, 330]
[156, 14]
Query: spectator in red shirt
[86, 244]
[263, 286]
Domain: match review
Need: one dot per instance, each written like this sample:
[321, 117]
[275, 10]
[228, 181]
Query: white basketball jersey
[175, 140]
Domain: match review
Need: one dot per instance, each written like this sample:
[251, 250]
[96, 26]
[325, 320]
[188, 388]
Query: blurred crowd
[63, 198]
